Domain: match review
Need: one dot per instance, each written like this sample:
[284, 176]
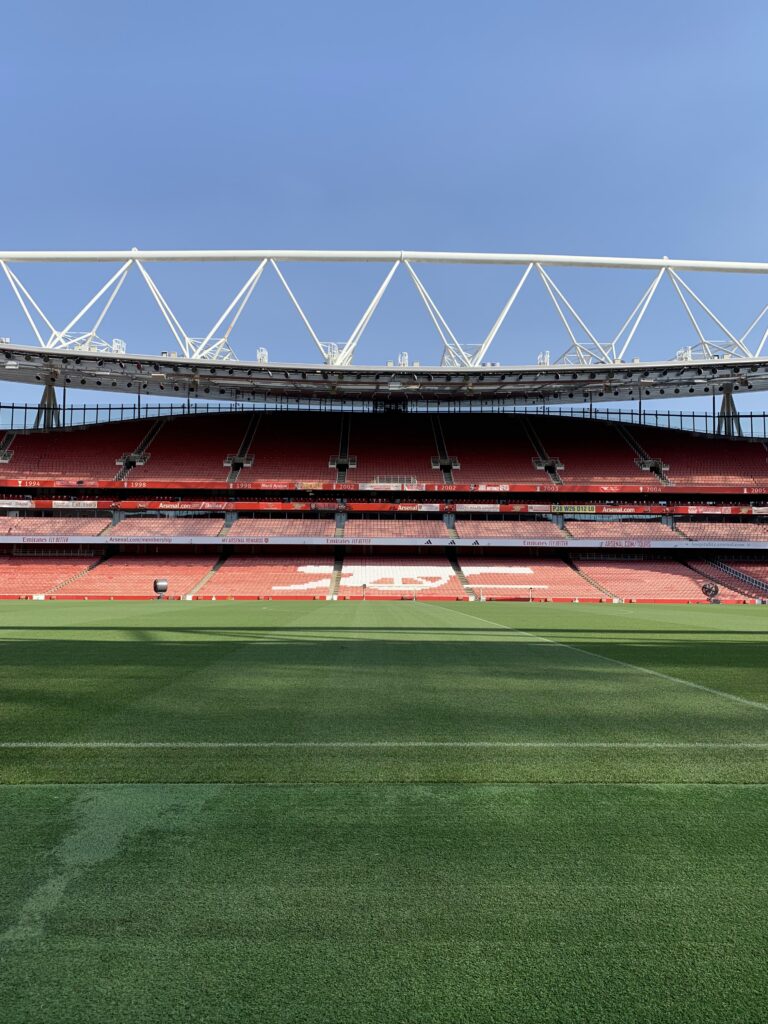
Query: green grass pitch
[383, 812]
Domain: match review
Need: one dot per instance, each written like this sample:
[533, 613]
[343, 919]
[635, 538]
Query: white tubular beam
[117, 280]
[242, 297]
[181, 336]
[478, 357]
[638, 313]
[376, 256]
[300, 311]
[582, 351]
[739, 344]
[451, 346]
[346, 354]
[21, 293]
[689, 311]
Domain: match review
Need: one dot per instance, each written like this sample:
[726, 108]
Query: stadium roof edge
[241, 381]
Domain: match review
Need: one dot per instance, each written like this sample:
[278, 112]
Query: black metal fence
[27, 417]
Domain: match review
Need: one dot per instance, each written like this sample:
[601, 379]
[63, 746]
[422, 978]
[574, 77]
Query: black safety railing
[30, 417]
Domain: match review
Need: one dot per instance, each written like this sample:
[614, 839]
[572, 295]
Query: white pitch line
[367, 744]
[617, 661]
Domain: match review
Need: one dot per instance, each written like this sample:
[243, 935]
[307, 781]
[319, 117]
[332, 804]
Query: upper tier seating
[591, 452]
[399, 577]
[525, 578]
[193, 448]
[264, 527]
[77, 454]
[289, 448]
[649, 580]
[271, 576]
[50, 526]
[696, 459]
[154, 526]
[540, 529]
[28, 575]
[491, 449]
[704, 531]
[392, 447]
[642, 529]
[132, 576]
[414, 528]
[294, 446]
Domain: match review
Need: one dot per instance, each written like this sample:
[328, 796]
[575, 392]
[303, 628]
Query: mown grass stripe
[368, 744]
[617, 661]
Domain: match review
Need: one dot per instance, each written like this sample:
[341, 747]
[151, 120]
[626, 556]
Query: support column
[728, 421]
[48, 412]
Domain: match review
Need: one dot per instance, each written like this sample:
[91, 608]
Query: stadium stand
[649, 579]
[264, 527]
[395, 528]
[192, 448]
[698, 459]
[526, 579]
[30, 575]
[630, 530]
[391, 447]
[81, 453]
[291, 454]
[707, 531]
[726, 580]
[132, 576]
[490, 449]
[293, 446]
[591, 452]
[399, 577]
[757, 570]
[53, 526]
[154, 526]
[273, 577]
[511, 529]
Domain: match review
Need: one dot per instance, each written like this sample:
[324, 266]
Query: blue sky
[606, 128]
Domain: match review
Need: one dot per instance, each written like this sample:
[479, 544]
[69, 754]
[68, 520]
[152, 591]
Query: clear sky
[596, 127]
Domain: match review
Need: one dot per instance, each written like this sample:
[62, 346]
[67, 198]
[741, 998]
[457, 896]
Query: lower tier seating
[527, 578]
[726, 580]
[399, 577]
[27, 575]
[132, 576]
[280, 576]
[650, 580]
[757, 570]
